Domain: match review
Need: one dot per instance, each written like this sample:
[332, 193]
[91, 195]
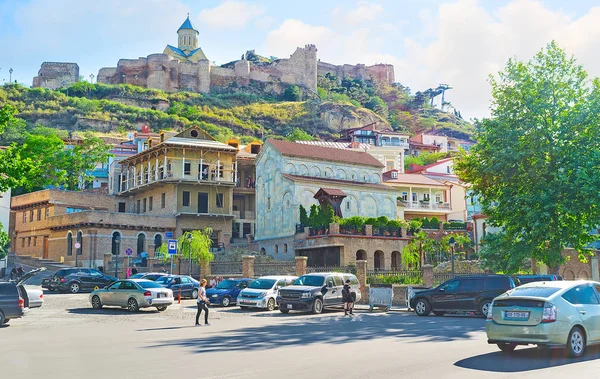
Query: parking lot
[67, 338]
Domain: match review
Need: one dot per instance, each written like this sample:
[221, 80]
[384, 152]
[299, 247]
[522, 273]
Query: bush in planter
[303, 216]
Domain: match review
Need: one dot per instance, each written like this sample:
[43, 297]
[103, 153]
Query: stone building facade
[291, 174]
[54, 75]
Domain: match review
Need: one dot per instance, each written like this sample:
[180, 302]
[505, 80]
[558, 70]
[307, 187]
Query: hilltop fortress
[186, 68]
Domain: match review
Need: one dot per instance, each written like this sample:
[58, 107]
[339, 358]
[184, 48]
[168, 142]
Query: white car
[262, 292]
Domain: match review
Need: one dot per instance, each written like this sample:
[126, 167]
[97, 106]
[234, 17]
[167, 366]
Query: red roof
[292, 149]
[330, 192]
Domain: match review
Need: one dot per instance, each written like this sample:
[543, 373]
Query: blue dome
[187, 24]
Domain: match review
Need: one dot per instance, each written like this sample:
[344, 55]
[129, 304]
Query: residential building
[5, 210]
[292, 174]
[244, 198]
[369, 134]
[455, 144]
[49, 223]
[190, 176]
[431, 140]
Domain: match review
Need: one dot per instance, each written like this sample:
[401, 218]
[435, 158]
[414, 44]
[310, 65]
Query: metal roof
[187, 24]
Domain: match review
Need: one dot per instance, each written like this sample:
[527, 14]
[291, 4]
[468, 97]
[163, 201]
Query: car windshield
[164, 280]
[309, 280]
[534, 291]
[149, 284]
[226, 285]
[262, 284]
[136, 276]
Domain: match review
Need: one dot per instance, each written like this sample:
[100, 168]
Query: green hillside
[243, 112]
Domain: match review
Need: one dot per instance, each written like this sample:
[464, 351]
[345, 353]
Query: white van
[262, 292]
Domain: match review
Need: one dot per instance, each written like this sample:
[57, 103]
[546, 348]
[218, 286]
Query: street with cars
[469, 326]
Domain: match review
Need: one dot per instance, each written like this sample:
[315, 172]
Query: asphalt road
[68, 339]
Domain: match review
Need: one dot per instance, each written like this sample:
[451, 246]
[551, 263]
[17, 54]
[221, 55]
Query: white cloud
[231, 14]
[365, 12]
[293, 33]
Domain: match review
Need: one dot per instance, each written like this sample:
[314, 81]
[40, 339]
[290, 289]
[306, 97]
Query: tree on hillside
[292, 93]
[11, 127]
[299, 135]
[536, 162]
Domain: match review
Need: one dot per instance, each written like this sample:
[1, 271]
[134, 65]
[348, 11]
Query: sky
[429, 42]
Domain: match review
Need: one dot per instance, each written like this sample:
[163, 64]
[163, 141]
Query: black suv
[13, 298]
[462, 294]
[313, 292]
[77, 279]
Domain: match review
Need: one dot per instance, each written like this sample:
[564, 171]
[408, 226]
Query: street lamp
[117, 243]
[189, 238]
[452, 242]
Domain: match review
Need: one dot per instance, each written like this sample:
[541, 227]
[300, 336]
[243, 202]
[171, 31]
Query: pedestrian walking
[134, 270]
[20, 272]
[213, 282]
[13, 273]
[347, 298]
[202, 303]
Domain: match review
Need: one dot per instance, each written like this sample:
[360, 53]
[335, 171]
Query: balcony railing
[140, 179]
[425, 205]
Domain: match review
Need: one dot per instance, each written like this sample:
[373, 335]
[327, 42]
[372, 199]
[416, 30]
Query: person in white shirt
[213, 282]
[202, 303]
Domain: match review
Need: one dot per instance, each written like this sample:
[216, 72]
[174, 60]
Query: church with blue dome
[187, 49]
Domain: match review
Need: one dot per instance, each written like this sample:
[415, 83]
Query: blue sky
[457, 42]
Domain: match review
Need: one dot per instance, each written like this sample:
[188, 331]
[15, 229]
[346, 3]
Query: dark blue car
[180, 284]
[226, 292]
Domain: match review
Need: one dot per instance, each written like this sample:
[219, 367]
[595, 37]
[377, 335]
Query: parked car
[462, 294]
[51, 284]
[133, 294]
[313, 292]
[551, 314]
[186, 285]
[226, 292]
[15, 298]
[524, 279]
[263, 292]
[84, 279]
[148, 275]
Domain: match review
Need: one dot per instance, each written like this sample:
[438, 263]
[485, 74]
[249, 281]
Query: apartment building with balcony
[190, 176]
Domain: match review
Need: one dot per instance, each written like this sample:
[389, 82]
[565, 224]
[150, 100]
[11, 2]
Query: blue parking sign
[172, 247]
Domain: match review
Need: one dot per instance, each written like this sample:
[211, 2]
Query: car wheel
[422, 308]
[132, 305]
[507, 347]
[96, 303]
[317, 307]
[226, 301]
[195, 294]
[74, 287]
[438, 313]
[484, 307]
[2, 319]
[284, 311]
[161, 309]
[576, 343]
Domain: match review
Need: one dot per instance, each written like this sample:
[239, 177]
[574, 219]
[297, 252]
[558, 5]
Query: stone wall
[54, 75]
[381, 73]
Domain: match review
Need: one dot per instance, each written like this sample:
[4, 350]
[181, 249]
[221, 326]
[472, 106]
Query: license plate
[521, 315]
[246, 302]
[289, 306]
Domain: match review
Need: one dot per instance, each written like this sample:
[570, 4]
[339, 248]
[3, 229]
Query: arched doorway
[116, 241]
[80, 241]
[378, 260]
[361, 255]
[69, 244]
[141, 242]
[157, 243]
[396, 260]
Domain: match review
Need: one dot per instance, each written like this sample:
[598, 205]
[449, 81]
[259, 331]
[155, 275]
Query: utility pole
[443, 88]
[10, 71]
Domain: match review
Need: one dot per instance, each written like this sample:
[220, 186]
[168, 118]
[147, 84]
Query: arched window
[69, 244]
[361, 255]
[378, 260]
[141, 242]
[395, 260]
[116, 241]
[262, 251]
[285, 247]
[80, 241]
[157, 243]
[276, 249]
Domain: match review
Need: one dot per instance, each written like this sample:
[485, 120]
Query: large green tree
[537, 157]
[79, 162]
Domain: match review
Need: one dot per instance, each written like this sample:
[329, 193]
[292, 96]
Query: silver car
[133, 294]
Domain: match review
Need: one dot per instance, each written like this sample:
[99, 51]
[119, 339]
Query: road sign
[172, 247]
[169, 234]
[77, 245]
[128, 251]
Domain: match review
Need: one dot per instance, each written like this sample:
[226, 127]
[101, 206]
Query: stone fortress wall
[56, 74]
[164, 72]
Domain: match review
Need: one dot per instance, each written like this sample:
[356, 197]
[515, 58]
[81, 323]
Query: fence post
[368, 230]
[334, 228]
[404, 231]
[205, 269]
[361, 274]
[301, 265]
[248, 266]
[428, 275]
[306, 232]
